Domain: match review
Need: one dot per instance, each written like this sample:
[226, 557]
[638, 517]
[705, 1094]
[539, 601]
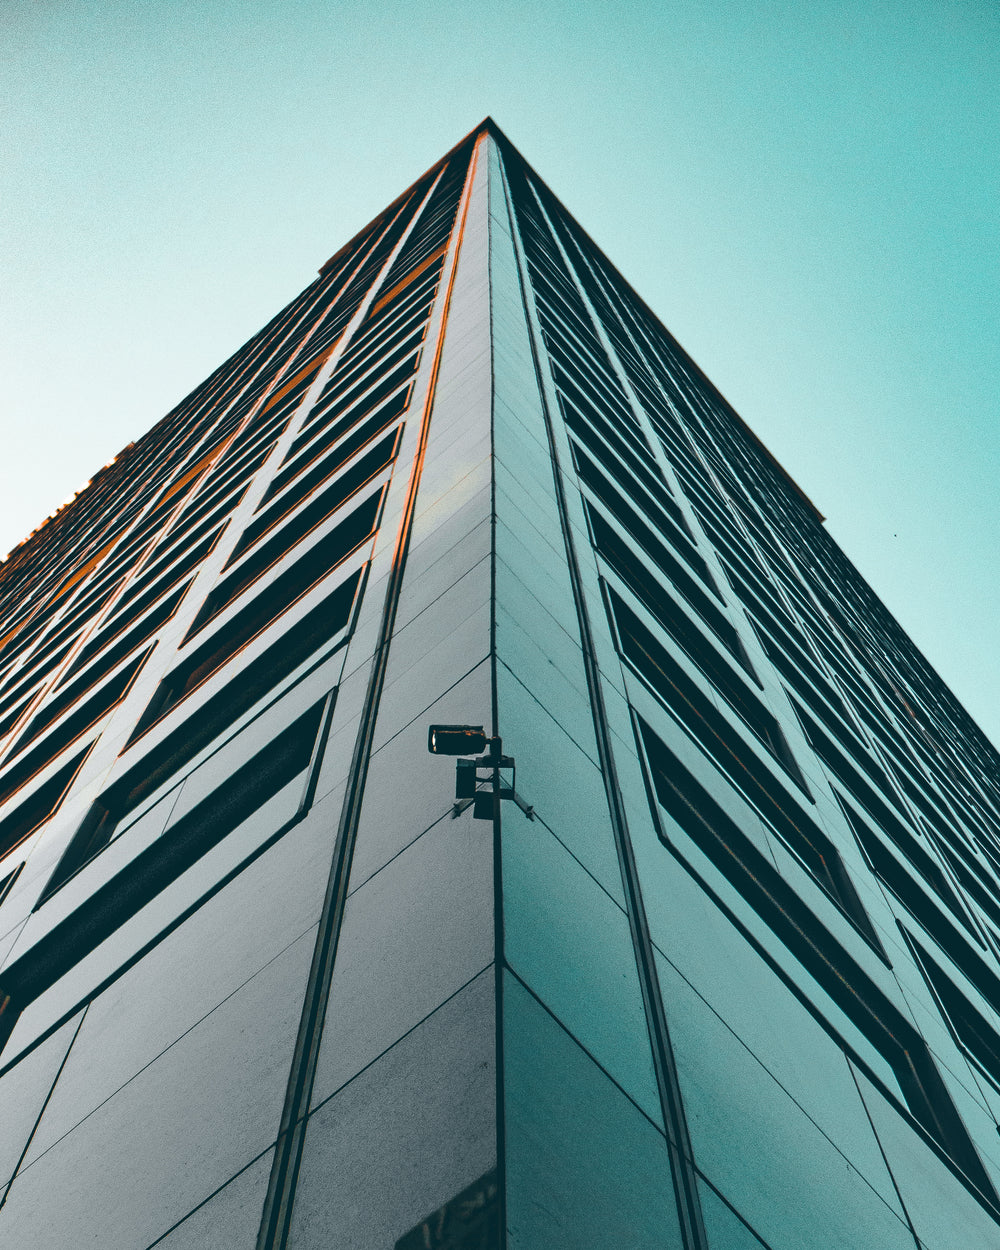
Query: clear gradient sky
[806, 193]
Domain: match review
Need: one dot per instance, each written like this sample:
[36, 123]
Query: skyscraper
[692, 941]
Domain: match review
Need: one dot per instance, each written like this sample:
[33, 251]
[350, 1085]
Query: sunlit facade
[706, 959]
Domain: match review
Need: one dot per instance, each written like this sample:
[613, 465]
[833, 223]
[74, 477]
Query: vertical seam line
[678, 1138]
[282, 1184]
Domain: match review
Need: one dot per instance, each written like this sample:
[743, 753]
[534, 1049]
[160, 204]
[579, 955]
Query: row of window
[353, 437]
[827, 701]
[156, 464]
[876, 1018]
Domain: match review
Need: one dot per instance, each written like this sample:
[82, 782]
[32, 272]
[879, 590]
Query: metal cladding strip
[678, 1137]
[495, 194]
[277, 1214]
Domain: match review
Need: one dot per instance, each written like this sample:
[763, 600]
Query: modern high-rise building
[692, 944]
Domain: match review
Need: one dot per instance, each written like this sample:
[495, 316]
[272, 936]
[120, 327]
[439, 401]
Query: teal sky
[806, 194]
